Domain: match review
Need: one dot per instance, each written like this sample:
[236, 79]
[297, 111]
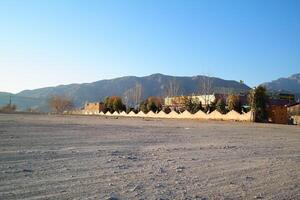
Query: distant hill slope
[4, 98]
[23, 102]
[153, 85]
[290, 84]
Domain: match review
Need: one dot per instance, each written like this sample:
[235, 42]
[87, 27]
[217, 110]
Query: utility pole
[9, 100]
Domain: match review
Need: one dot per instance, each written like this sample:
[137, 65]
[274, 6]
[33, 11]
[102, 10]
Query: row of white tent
[215, 115]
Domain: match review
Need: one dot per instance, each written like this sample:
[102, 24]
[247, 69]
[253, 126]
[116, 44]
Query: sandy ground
[90, 157]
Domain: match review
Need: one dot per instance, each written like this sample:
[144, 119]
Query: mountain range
[285, 85]
[141, 87]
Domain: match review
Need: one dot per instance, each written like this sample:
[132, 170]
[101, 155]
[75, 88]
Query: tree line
[8, 108]
[257, 100]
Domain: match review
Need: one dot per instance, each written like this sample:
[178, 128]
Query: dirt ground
[91, 157]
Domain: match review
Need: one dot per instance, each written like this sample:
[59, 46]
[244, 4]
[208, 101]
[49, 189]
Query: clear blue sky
[47, 43]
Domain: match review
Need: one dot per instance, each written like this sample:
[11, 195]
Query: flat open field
[90, 157]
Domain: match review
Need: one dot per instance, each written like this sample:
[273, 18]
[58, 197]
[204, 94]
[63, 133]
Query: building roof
[293, 104]
[278, 102]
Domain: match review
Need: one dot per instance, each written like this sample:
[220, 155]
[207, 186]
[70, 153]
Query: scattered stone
[115, 153]
[112, 198]
[122, 166]
[131, 157]
[180, 169]
[258, 197]
[137, 187]
[229, 147]
[27, 170]
[161, 170]
[249, 178]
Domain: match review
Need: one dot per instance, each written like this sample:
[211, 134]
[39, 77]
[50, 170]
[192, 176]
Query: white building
[180, 100]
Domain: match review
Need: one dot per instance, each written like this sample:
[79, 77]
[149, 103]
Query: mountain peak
[157, 74]
[295, 76]
[286, 85]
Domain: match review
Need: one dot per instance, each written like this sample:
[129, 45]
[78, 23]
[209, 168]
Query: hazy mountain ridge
[290, 84]
[152, 85]
[23, 102]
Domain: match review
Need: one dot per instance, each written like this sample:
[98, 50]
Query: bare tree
[133, 96]
[172, 89]
[137, 94]
[125, 98]
[205, 87]
[59, 104]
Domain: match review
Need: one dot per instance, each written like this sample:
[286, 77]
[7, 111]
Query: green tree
[118, 105]
[107, 106]
[113, 103]
[188, 104]
[192, 105]
[233, 103]
[143, 107]
[221, 106]
[151, 104]
[167, 110]
[210, 107]
[257, 99]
